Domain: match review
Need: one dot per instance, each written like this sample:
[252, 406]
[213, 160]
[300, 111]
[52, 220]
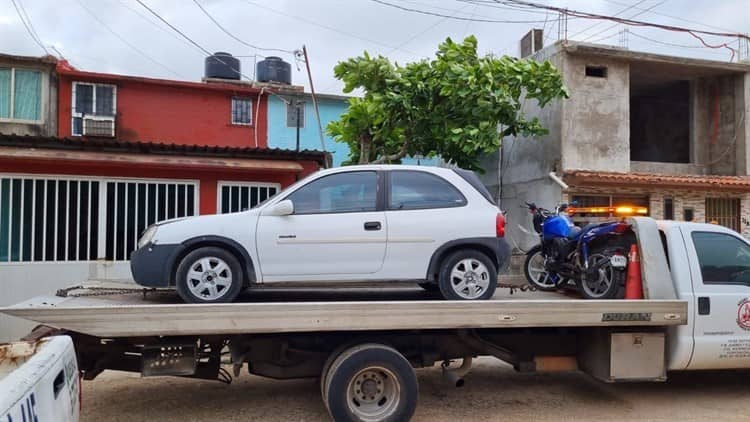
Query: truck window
[723, 258]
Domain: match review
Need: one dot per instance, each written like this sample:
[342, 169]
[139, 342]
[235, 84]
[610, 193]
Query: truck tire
[536, 275]
[209, 275]
[467, 275]
[370, 382]
[608, 283]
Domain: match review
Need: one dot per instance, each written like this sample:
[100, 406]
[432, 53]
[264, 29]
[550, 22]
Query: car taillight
[500, 225]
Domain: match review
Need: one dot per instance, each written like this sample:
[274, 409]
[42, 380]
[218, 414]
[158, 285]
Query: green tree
[457, 105]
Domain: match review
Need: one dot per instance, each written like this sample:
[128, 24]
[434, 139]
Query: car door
[422, 210]
[336, 232]
[720, 270]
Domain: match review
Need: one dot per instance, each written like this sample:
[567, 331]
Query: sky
[121, 36]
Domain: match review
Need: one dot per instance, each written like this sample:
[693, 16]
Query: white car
[437, 227]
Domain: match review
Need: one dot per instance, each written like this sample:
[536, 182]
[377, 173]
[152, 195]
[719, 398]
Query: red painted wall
[180, 113]
[208, 178]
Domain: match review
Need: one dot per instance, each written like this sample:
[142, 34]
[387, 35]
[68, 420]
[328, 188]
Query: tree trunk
[397, 156]
[365, 142]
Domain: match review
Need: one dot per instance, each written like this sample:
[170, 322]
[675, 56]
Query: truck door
[720, 271]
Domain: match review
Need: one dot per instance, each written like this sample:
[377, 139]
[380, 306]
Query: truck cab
[710, 270]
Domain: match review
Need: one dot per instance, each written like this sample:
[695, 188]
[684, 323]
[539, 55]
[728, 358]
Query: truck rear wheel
[370, 382]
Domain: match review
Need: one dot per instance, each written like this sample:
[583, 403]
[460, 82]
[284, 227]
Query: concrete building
[639, 129]
[28, 95]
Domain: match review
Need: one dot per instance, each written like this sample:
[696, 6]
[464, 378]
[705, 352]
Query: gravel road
[493, 392]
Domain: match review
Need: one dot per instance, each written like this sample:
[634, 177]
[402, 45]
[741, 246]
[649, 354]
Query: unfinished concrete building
[668, 134]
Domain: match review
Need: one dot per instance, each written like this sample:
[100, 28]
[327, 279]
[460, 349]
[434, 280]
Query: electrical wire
[224, 30]
[599, 23]
[669, 44]
[126, 42]
[28, 26]
[31, 24]
[632, 22]
[208, 53]
[330, 28]
[653, 12]
[159, 27]
[461, 18]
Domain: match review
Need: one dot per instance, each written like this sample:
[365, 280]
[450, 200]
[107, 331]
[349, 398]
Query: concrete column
[742, 114]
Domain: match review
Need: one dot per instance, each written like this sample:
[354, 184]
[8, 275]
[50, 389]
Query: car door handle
[372, 225]
[704, 306]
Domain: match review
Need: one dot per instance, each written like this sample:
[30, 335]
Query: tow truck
[695, 315]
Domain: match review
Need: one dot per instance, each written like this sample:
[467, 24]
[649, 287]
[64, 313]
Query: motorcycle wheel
[536, 274]
[609, 282]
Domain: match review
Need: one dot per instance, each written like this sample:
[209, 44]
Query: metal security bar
[724, 211]
[48, 219]
[132, 206]
[241, 196]
[57, 219]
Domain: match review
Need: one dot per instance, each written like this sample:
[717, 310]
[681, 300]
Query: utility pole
[297, 107]
[315, 101]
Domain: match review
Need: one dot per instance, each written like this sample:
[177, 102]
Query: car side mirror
[285, 207]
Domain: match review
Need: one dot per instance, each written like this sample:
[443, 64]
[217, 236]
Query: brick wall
[682, 198]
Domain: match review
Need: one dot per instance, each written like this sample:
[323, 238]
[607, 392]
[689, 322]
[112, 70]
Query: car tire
[209, 275]
[467, 275]
[429, 286]
[370, 382]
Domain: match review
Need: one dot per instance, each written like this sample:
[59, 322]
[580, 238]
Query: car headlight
[147, 236]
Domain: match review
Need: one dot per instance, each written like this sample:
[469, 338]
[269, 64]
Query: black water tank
[222, 66]
[273, 69]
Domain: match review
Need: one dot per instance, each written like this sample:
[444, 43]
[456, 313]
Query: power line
[31, 25]
[208, 53]
[627, 21]
[157, 26]
[330, 28]
[126, 42]
[654, 6]
[32, 34]
[674, 17]
[461, 18]
[223, 29]
[599, 23]
[669, 44]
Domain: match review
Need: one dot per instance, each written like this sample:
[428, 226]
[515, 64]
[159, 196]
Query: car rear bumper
[151, 265]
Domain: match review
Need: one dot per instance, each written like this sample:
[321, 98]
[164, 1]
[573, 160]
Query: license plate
[619, 261]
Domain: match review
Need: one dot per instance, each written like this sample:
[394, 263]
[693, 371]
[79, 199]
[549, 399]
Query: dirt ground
[493, 392]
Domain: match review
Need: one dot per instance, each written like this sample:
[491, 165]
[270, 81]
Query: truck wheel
[535, 272]
[607, 283]
[209, 275]
[370, 382]
[467, 275]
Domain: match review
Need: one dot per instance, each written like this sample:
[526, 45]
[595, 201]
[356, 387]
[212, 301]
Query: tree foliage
[456, 106]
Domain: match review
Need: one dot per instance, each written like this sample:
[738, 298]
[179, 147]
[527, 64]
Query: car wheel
[209, 275]
[429, 286]
[467, 275]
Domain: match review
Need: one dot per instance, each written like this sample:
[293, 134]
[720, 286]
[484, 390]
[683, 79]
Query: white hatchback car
[437, 227]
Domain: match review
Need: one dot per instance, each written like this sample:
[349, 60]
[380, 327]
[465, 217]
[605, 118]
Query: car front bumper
[152, 264]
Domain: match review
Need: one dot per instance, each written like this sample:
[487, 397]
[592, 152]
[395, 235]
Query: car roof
[387, 167]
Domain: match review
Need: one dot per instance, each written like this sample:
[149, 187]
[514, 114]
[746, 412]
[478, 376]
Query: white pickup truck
[695, 315]
[39, 381]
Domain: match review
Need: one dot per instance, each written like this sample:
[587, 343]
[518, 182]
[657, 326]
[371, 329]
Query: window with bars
[242, 111]
[94, 108]
[48, 219]
[724, 211]
[239, 196]
[133, 206]
[76, 219]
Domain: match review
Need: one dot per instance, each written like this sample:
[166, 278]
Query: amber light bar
[621, 210]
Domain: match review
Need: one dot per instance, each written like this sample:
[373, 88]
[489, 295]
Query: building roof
[586, 177]
[157, 148]
[48, 59]
[574, 47]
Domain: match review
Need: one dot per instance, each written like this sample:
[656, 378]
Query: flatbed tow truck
[365, 350]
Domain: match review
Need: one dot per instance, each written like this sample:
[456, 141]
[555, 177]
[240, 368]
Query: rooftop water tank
[222, 65]
[274, 69]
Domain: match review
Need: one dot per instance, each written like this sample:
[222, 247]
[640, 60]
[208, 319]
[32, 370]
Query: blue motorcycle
[592, 258]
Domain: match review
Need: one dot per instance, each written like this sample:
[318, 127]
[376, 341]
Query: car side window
[411, 190]
[341, 192]
[723, 258]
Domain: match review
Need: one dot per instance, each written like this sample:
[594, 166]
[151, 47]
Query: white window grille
[241, 196]
[46, 218]
[94, 107]
[242, 111]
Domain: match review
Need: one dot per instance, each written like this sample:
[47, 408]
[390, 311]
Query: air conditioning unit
[99, 126]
